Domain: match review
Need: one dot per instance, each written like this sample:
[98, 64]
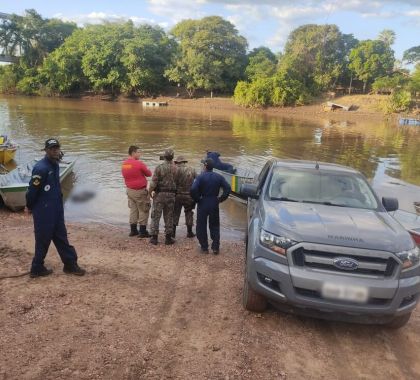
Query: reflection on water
[98, 135]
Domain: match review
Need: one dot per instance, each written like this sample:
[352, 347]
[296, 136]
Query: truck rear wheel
[399, 321]
[251, 300]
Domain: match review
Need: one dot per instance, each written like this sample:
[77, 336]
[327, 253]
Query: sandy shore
[145, 312]
[367, 108]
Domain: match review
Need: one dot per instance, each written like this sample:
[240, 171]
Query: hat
[209, 163]
[168, 153]
[180, 159]
[50, 143]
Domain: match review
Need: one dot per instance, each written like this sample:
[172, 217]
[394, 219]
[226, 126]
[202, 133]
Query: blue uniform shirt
[44, 192]
[207, 185]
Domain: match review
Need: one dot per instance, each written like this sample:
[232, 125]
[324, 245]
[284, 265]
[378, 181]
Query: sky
[261, 22]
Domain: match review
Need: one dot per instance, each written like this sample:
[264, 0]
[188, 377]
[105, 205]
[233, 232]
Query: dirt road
[146, 312]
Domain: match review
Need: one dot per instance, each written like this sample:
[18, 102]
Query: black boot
[143, 232]
[174, 231]
[169, 240]
[153, 240]
[73, 269]
[190, 233]
[134, 231]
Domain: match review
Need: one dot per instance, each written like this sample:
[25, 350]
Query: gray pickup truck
[321, 243]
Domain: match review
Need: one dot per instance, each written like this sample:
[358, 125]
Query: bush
[8, 79]
[389, 84]
[399, 101]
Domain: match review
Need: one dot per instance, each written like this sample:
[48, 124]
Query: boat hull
[236, 180]
[7, 155]
[14, 194]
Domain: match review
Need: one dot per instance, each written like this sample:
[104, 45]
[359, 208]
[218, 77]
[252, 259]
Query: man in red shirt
[135, 172]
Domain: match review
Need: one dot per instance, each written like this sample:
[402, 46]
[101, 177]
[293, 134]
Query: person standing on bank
[45, 201]
[162, 190]
[135, 172]
[205, 191]
[185, 178]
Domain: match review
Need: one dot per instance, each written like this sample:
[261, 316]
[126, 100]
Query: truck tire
[251, 300]
[399, 321]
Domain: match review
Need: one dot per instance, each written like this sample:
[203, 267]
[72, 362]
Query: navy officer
[45, 201]
[205, 191]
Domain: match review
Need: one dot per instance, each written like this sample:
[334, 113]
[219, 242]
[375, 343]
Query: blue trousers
[47, 230]
[208, 208]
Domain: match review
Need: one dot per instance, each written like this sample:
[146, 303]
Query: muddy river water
[98, 135]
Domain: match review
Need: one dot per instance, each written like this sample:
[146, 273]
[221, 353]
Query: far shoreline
[367, 107]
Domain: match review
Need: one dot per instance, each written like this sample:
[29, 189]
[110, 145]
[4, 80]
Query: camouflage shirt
[185, 178]
[164, 178]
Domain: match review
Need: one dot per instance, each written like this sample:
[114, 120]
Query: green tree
[33, 37]
[412, 55]
[145, 58]
[387, 36]
[262, 63]
[316, 53]
[371, 59]
[211, 55]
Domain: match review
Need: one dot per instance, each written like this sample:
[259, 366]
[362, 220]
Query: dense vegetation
[58, 58]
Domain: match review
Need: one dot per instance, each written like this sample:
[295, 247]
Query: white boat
[13, 185]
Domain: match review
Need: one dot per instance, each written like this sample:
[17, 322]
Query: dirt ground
[145, 312]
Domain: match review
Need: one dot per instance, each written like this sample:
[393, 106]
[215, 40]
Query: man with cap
[45, 201]
[205, 191]
[185, 178]
[135, 172]
[162, 190]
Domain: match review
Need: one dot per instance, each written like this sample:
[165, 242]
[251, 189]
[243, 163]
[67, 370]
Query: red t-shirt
[135, 173]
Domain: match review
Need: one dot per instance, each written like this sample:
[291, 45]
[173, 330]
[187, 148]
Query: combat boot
[168, 239]
[42, 272]
[154, 240]
[190, 233]
[143, 232]
[134, 231]
[73, 269]
[174, 231]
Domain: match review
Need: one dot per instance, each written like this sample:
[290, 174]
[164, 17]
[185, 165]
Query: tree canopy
[371, 59]
[211, 55]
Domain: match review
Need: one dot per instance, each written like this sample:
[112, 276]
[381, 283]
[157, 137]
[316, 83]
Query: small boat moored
[409, 121]
[13, 185]
[7, 149]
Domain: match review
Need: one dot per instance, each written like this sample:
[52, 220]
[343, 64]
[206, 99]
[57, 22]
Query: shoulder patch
[36, 182]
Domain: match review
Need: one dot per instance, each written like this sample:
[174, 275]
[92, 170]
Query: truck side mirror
[390, 204]
[249, 190]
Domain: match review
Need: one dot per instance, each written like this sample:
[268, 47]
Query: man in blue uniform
[205, 191]
[45, 200]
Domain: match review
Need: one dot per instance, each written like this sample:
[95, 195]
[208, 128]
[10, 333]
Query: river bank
[145, 312]
[366, 107]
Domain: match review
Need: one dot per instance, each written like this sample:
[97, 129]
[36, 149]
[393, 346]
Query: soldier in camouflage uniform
[163, 189]
[185, 178]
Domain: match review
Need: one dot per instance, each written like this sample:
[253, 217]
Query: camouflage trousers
[184, 200]
[163, 203]
[139, 205]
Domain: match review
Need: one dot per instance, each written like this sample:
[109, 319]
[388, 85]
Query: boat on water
[13, 185]
[409, 121]
[7, 149]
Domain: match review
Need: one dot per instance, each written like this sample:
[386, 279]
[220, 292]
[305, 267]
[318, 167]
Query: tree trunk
[211, 94]
[351, 82]
[364, 87]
